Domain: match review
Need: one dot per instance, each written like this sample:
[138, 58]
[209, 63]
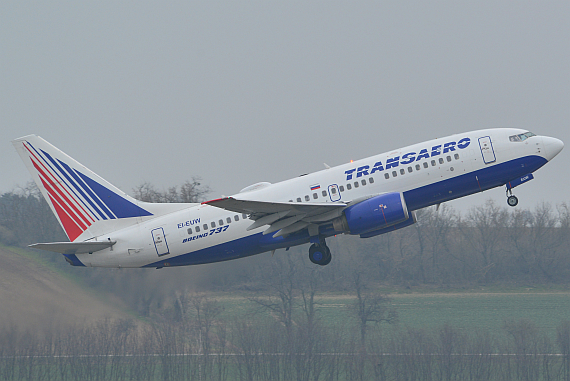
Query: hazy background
[241, 92]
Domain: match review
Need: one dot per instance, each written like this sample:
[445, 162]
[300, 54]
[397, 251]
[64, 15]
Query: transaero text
[408, 158]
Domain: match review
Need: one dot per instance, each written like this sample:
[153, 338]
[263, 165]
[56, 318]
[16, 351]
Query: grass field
[469, 310]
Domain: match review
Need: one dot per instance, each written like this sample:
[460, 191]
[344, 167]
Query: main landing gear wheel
[512, 200]
[320, 254]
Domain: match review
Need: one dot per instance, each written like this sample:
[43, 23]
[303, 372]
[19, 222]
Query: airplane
[372, 196]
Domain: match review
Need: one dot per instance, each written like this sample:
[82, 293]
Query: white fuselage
[427, 173]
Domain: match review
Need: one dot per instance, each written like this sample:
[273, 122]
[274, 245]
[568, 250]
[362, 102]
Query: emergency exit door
[487, 149]
[159, 241]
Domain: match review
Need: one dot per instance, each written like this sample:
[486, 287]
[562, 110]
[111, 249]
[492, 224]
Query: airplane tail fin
[85, 204]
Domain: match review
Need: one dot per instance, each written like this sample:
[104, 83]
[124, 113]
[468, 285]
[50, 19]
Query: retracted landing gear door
[487, 149]
[159, 241]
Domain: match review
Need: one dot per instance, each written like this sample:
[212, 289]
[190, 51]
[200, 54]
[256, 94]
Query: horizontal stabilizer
[73, 247]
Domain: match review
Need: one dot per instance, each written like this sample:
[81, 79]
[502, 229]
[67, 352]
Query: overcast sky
[239, 92]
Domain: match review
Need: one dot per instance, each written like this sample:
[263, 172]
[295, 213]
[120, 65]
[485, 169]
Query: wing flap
[258, 209]
[73, 247]
[284, 217]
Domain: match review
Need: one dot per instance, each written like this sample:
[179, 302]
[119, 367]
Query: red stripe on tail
[64, 208]
[71, 229]
[58, 194]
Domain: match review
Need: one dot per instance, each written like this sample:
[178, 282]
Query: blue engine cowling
[373, 233]
[375, 213]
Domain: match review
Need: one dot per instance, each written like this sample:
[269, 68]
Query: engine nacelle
[376, 213]
[410, 221]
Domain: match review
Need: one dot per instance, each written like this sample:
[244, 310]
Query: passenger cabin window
[417, 167]
[220, 222]
[298, 199]
[386, 176]
[228, 220]
[307, 198]
[402, 171]
[456, 156]
[394, 173]
[189, 230]
[425, 164]
[205, 226]
[433, 163]
[236, 217]
[370, 180]
[197, 229]
[341, 188]
[315, 196]
[410, 169]
[213, 224]
[244, 216]
[363, 182]
[348, 186]
[441, 160]
[449, 158]
[356, 184]
[333, 190]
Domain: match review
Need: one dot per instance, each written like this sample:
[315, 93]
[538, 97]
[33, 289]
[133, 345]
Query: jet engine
[373, 214]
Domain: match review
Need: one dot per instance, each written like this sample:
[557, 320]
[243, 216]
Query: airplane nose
[552, 147]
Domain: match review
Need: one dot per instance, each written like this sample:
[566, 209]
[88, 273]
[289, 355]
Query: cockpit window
[521, 137]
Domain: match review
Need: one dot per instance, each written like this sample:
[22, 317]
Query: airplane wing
[73, 247]
[282, 217]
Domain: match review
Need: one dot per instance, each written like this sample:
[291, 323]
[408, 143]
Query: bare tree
[279, 290]
[563, 341]
[484, 229]
[370, 308]
[189, 192]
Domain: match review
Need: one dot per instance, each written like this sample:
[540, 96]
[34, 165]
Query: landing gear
[320, 254]
[511, 200]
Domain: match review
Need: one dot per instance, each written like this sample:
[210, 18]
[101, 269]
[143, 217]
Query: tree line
[241, 348]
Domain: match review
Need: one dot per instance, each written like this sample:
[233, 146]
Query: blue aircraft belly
[472, 182]
[239, 248]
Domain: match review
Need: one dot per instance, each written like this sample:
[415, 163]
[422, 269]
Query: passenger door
[159, 240]
[487, 150]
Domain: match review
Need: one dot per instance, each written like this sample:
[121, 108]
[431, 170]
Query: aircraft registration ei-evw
[372, 196]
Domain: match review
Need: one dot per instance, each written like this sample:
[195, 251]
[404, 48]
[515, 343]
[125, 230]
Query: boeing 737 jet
[376, 195]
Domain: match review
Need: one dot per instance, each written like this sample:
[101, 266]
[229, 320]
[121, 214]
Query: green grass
[465, 310]
[470, 311]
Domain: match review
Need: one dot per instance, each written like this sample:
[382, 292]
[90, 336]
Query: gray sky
[239, 92]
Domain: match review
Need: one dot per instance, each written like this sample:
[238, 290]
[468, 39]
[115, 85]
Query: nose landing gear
[320, 254]
[511, 200]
